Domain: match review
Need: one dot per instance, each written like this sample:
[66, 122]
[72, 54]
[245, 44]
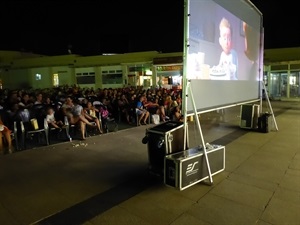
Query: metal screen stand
[190, 93]
[269, 104]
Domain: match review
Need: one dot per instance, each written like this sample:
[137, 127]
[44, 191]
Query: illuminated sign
[169, 68]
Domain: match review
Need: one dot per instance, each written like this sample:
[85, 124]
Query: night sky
[87, 27]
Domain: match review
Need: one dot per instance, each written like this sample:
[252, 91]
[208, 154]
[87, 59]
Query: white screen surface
[211, 94]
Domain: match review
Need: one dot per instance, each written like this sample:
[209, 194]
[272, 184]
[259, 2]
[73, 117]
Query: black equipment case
[186, 168]
[164, 139]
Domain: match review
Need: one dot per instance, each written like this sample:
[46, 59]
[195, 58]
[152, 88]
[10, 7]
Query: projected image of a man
[228, 59]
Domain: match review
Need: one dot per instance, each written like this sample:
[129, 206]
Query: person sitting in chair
[90, 114]
[75, 115]
[51, 120]
[6, 133]
[141, 112]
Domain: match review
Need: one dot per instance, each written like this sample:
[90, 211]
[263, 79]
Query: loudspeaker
[264, 123]
[247, 113]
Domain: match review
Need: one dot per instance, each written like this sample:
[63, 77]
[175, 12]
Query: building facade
[282, 73]
[104, 71]
[148, 69]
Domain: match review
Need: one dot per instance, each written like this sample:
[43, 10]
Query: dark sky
[281, 21]
[90, 27]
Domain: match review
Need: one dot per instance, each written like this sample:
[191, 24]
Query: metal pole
[269, 103]
[200, 131]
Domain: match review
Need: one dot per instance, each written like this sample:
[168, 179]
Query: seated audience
[122, 102]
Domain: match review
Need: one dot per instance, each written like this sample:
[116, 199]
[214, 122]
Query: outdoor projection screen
[222, 53]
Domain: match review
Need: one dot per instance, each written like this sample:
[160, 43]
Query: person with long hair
[5, 135]
[75, 114]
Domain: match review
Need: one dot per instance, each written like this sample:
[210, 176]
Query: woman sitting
[5, 134]
[76, 115]
[90, 113]
[155, 108]
[177, 115]
[124, 107]
[141, 111]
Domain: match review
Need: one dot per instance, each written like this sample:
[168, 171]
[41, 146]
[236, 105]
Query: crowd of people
[85, 107]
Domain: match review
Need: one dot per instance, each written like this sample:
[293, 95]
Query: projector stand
[269, 104]
[189, 90]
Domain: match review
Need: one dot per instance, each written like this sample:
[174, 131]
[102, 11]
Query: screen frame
[206, 93]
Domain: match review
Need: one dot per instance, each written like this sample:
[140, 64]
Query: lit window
[38, 76]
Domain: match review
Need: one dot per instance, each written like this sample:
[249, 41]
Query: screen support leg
[269, 104]
[200, 130]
